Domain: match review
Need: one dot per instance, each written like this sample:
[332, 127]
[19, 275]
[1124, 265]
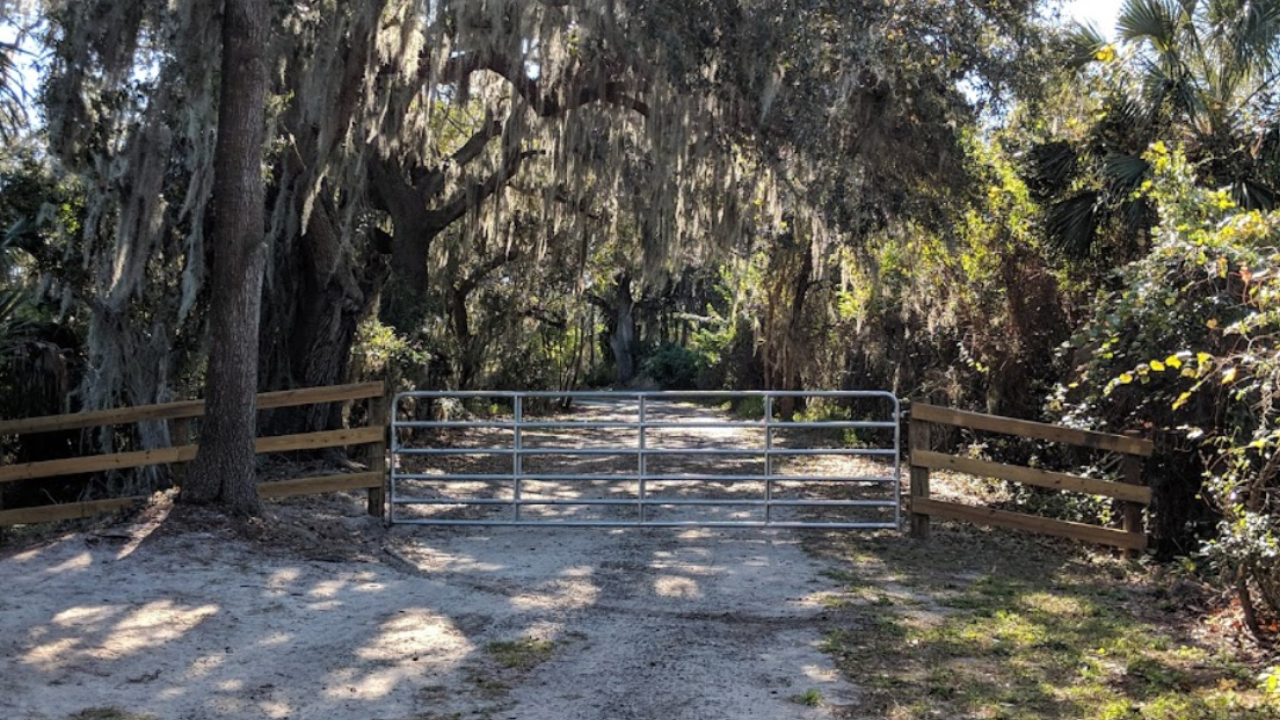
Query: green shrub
[1186, 350]
[674, 367]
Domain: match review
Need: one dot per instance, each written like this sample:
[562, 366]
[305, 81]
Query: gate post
[378, 453]
[918, 439]
[1131, 472]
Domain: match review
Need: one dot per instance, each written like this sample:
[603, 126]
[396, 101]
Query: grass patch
[983, 625]
[808, 698]
[523, 653]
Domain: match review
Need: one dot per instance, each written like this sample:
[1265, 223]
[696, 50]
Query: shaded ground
[563, 623]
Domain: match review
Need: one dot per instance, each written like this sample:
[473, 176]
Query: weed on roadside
[808, 698]
[521, 654]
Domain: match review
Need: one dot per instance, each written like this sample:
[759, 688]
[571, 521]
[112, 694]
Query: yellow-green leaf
[1228, 375]
[1203, 358]
[1173, 362]
[1182, 400]
[1126, 378]
[1157, 366]
[1212, 323]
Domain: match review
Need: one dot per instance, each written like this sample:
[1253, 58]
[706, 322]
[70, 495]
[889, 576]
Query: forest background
[970, 203]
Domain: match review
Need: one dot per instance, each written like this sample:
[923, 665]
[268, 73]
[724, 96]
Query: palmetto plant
[14, 295]
[1196, 73]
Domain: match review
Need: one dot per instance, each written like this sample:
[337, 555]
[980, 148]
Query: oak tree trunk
[623, 341]
[317, 297]
[223, 472]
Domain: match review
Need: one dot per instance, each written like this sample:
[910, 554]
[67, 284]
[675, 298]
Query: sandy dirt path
[619, 624]
[431, 624]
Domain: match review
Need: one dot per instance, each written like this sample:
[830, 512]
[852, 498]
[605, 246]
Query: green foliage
[674, 367]
[809, 698]
[380, 353]
[1186, 347]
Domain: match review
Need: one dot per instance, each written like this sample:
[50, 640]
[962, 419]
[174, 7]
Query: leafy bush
[674, 367]
[1186, 350]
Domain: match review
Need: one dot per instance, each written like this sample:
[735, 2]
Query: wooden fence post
[180, 434]
[1131, 474]
[918, 439]
[378, 454]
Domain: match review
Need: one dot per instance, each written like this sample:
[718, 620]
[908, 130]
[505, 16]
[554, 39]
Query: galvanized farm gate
[618, 459]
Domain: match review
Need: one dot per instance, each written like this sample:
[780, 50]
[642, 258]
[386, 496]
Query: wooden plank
[99, 418]
[1032, 476]
[283, 488]
[1027, 428]
[97, 463]
[67, 511]
[321, 484]
[185, 453]
[317, 395]
[186, 409]
[1030, 523]
[315, 440]
[918, 442]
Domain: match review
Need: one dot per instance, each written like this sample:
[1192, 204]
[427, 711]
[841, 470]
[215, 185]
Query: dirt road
[420, 624]
[513, 623]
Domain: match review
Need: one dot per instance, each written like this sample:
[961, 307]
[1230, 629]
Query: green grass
[808, 698]
[988, 626]
[524, 653]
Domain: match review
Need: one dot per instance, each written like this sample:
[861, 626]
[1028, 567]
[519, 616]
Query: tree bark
[316, 299]
[223, 472]
[623, 341]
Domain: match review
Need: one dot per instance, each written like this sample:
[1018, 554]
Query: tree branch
[476, 193]
[473, 279]
[544, 104]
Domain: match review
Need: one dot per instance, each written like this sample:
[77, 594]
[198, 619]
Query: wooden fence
[179, 416]
[1130, 491]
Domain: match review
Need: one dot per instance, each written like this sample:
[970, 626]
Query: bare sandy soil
[326, 614]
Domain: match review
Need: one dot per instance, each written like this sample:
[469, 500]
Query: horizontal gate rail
[507, 459]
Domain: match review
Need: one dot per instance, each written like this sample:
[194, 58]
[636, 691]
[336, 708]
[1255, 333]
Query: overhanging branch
[544, 103]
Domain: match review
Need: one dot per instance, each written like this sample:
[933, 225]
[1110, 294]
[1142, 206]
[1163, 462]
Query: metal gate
[614, 459]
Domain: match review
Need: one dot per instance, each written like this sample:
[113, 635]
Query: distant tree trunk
[786, 341]
[317, 297]
[623, 340]
[620, 320]
[223, 472]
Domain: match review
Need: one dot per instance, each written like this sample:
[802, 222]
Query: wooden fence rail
[1130, 491]
[179, 415]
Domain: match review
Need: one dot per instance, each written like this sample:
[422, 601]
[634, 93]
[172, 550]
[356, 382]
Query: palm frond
[1084, 43]
[1125, 173]
[1072, 223]
[1151, 21]
[1252, 194]
[1049, 168]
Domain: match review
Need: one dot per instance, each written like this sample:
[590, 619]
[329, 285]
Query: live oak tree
[223, 471]
[390, 122]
